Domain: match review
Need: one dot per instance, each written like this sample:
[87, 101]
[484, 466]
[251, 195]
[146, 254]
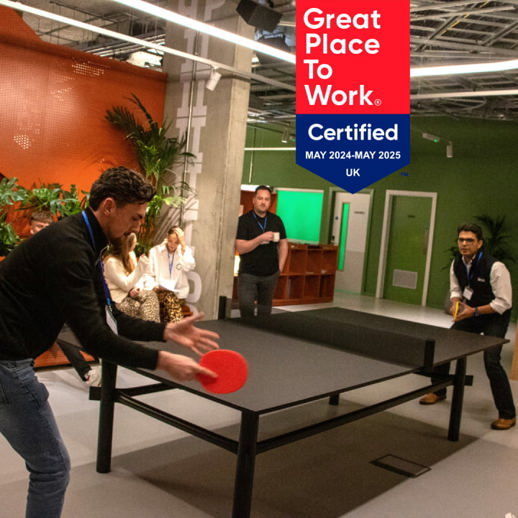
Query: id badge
[467, 293]
[110, 320]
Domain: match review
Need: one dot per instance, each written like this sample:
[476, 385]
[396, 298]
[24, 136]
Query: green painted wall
[481, 178]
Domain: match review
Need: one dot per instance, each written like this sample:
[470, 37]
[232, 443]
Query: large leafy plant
[157, 154]
[50, 197]
[497, 237]
[10, 194]
[72, 202]
[8, 237]
[54, 199]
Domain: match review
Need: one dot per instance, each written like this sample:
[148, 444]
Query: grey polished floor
[160, 472]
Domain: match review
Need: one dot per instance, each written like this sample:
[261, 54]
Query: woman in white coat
[168, 264]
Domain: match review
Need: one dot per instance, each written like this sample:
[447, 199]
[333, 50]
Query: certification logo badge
[353, 89]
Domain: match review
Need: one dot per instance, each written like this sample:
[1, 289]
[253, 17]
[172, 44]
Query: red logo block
[353, 57]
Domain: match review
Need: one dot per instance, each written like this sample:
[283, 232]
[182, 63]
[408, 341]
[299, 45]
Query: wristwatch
[476, 313]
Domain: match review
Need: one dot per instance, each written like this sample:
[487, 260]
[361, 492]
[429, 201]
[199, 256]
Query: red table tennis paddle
[231, 368]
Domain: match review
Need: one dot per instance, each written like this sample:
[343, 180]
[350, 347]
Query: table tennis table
[295, 358]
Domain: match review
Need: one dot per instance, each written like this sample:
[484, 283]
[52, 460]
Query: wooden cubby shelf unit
[308, 276]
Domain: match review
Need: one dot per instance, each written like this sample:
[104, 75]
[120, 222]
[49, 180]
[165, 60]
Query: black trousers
[490, 325]
[255, 288]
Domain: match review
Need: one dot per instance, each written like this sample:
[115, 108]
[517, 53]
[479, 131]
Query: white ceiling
[442, 32]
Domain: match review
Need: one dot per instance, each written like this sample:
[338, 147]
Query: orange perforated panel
[53, 103]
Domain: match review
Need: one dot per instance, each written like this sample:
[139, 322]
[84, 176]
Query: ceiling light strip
[206, 28]
[475, 93]
[142, 43]
[191, 23]
[472, 68]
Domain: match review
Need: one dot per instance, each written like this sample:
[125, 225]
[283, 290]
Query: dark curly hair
[123, 185]
[471, 227]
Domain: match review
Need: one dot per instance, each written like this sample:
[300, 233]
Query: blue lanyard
[263, 226]
[470, 272]
[171, 261]
[99, 262]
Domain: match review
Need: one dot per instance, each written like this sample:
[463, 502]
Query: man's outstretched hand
[186, 334]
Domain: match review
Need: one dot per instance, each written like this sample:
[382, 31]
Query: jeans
[27, 422]
[252, 288]
[491, 325]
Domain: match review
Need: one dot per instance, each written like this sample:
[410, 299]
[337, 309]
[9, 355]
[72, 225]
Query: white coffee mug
[276, 237]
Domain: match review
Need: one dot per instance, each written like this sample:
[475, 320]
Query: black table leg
[246, 452]
[104, 441]
[458, 397]
[334, 399]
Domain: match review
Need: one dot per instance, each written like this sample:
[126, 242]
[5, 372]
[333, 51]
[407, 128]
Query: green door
[407, 248]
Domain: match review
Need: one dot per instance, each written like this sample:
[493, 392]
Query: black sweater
[53, 278]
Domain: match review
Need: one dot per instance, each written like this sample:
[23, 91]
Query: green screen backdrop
[301, 213]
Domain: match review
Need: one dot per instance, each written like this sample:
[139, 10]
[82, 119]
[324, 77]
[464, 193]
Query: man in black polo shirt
[481, 301]
[261, 242]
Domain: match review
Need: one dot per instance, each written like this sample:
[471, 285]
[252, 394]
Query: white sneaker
[93, 377]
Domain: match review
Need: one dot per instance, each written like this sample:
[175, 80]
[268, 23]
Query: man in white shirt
[481, 301]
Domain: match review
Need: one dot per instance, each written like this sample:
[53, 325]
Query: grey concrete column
[216, 125]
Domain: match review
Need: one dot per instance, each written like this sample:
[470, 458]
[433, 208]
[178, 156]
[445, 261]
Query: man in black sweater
[91, 375]
[55, 278]
[481, 301]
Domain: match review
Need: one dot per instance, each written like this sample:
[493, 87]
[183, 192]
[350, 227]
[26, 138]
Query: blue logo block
[353, 151]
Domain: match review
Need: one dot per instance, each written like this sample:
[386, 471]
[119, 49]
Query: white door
[406, 246]
[350, 227]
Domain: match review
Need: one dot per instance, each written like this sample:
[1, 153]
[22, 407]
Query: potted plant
[157, 154]
[10, 194]
[54, 199]
[496, 238]
[8, 237]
